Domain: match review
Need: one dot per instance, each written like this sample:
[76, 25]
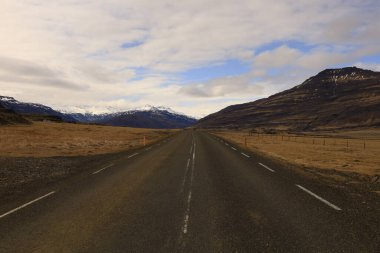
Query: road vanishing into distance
[190, 193]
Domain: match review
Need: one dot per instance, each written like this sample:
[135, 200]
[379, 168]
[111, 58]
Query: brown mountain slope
[334, 98]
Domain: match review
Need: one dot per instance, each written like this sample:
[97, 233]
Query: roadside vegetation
[48, 139]
[348, 151]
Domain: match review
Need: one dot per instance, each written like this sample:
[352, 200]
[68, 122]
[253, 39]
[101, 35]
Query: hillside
[333, 99]
[10, 117]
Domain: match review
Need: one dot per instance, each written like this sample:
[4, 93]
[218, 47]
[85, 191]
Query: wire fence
[347, 142]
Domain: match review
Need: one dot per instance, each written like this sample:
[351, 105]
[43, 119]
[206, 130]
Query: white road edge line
[133, 155]
[271, 170]
[245, 154]
[319, 198]
[26, 204]
[96, 172]
[234, 148]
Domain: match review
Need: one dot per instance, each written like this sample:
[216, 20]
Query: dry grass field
[45, 139]
[350, 151]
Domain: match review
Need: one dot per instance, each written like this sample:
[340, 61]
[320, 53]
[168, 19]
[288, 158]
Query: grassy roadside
[46, 139]
[324, 155]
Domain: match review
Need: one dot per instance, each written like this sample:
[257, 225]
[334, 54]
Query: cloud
[279, 57]
[220, 87]
[74, 49]
[21, 71]
[370, 66]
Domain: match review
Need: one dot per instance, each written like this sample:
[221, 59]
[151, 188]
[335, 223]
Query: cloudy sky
[195, 56]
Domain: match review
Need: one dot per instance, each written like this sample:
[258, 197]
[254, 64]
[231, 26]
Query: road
[191, 193]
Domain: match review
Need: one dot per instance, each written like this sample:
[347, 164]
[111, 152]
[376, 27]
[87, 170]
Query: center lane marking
[26, 204]
[245, 154]
[266, 167]
[233, 148]
[184, 178]
[188, 202]
[319, 198]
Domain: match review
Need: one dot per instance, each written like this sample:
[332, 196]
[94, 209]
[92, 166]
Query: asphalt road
[191, 193]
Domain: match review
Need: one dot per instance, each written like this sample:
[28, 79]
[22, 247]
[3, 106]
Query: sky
[194, 56]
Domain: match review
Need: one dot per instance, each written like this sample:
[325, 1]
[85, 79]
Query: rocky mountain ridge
[334, 98]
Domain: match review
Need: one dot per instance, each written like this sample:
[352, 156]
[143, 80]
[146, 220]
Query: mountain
[33, 109]
[334, 98]
[156, 118]
[9, 117]
[151, 117]
[148, 117]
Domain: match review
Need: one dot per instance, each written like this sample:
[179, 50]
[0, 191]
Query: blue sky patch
[301, 46]
[228, 68]
[131, 44]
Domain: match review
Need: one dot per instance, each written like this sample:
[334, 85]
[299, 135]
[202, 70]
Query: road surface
[191, 193]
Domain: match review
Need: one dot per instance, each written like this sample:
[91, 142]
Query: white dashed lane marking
[266, 167]
[96, 172]
[135, 154]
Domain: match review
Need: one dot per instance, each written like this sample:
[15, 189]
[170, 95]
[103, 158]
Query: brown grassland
[350, 151]
[47, 139]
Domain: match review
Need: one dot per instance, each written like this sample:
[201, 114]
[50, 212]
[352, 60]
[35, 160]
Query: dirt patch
[19, 175]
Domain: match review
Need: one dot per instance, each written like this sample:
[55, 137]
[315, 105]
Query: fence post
[364, 144]
[144, 141]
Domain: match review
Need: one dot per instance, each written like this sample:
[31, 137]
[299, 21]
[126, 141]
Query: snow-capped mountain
[144, 117]
[32, 108]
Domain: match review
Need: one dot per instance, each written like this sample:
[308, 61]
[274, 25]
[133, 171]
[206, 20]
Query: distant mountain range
[150, 117]
[153, 117]
[334, 98]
